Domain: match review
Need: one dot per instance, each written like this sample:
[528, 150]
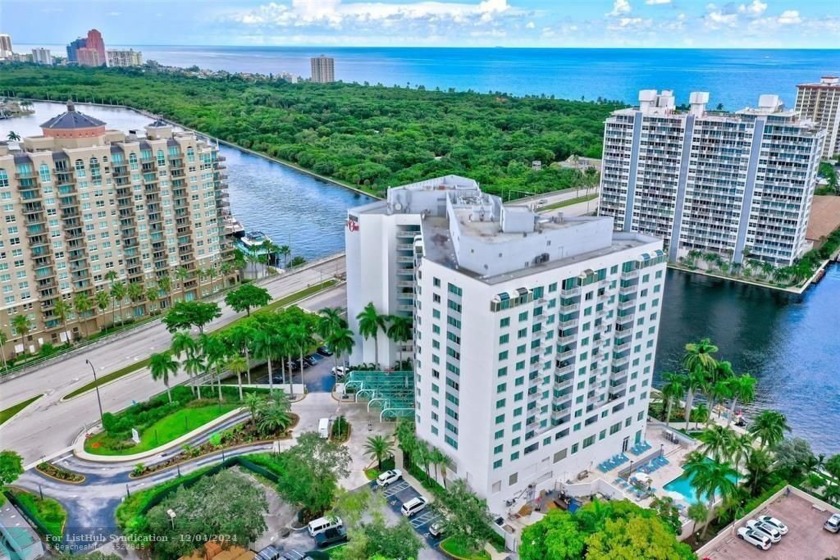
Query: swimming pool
[684, 488]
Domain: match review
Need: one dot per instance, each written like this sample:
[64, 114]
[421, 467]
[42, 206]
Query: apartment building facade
[81, 201]
[124, 58]
[323, 69]
[736, 184]
[534, 337]
[5, 46]
[42, 56]
[820, 102]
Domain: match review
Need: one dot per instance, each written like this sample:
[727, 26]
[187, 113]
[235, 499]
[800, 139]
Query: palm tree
[370, 323]
[740, 448]
[21, 326]
[13, 136]
[182, 275]
[194, 366]
[341, 342]
[118, 293]
[265, 348]
[184, 345]
[717, 442]
[710, 478]
[697, 513]
[152, 295]
[284, 251]
[672, 391]
[438, 459]
[102, 300]
[255, 403]
[769, 427]
[4, 338]
[758, 470]
[718, 387]
[273, 419]
[215, 353]
[330, 319]
[237, 365]
[406, 438]
[695, 381]
[300, 338]
[700, 355]
[741, 388]
[135, 292]
[63, 310]
[400, 330]
[379, 448]
[82, 304]
[421, 455]
[164, 284]
[162, 366]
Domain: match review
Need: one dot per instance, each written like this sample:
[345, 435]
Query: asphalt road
[48, 426]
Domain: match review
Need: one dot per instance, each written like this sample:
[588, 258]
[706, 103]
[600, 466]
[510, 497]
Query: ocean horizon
[734, 78]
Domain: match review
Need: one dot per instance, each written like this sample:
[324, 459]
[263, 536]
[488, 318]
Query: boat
[257, 243]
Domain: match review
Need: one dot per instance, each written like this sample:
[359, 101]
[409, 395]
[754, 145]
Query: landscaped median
[136, 366]
[454, 548]
[8, 413]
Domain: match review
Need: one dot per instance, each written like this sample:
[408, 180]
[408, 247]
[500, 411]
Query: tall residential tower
[820, 102]
[323, 69]
[81, 201]
[735, 184]
[535, 335]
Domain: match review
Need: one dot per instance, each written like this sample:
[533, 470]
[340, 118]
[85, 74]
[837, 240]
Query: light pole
[96, 385]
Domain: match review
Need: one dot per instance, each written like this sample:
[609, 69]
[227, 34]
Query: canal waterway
[791, 343]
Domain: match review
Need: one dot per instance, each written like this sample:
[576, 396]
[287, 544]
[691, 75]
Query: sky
[444, 23]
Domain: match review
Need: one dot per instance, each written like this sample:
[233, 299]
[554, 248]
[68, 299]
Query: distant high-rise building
[42, 56]
[820, 102]
[123, 58]
[94, 41]
[323, 69]
[88, 57]
[739, 185]
[86, 201]
[73, 49]
[5, 46]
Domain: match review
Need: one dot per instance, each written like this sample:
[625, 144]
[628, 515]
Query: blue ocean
[734, 78]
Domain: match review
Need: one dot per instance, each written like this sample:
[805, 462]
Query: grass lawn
[456, 549]
[297, 296]
[49, 512]
[163, 431]
[12, 410]
[565, 203]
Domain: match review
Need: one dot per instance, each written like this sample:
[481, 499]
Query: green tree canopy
[185, 315]
[246, 297]
[11, 467]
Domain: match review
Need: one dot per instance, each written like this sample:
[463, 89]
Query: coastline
[284, 163]
[795, 291]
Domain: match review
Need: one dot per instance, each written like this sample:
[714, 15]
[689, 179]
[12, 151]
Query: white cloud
[790, 17]
[657, 2]
[755, 9]
[620, 7]
[336, 14]
[530, 25]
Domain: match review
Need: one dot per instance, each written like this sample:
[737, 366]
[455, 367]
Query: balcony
[568, 292]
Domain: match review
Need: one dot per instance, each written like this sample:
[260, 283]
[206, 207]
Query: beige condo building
[323, 69]
[820, 102]
[80, 202]
[124, 58]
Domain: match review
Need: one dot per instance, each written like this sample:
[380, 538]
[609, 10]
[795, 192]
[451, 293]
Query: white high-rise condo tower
[535, 335]
[736, 184]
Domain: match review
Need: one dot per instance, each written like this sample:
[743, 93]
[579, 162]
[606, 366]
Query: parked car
[769, 530]
[294, 555]
[388, 477]
[340, 371]
[832, 523]
[413, 506]
[293, 365]
[270, 552]
[758, 540]
[311, 360]
[436, 529]
[324, 351]
[780, 527]
[330, 537]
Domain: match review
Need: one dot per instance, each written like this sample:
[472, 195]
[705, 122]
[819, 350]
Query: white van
[413, 506]
[324, 428]
[322, 524]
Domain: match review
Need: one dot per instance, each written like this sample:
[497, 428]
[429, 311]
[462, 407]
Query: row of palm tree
[741, 465]
[281, 337]
[398, 328]
[420, 453]
[707, 376]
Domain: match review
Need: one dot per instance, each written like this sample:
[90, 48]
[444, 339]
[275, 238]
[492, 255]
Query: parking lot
[806, 539]
[317, 378]
[396, 495]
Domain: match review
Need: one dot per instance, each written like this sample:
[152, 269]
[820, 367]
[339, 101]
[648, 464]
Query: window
[45, 173]
[523, 316]
[505, 322]
[436, 282]
[503, 355]
[504, 339]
